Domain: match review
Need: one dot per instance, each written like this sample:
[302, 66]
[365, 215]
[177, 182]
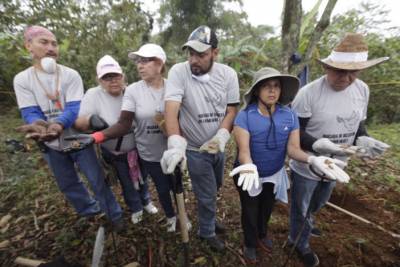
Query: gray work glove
[324, 146]
[174, 155]
[370, 147]
[217, 142]
[329, 168]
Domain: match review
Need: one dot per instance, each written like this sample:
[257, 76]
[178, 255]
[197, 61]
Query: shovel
[180, 202]
[98, 248]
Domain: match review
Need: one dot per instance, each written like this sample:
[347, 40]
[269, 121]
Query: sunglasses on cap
[111, 76]
[144, 60]
[204, 35]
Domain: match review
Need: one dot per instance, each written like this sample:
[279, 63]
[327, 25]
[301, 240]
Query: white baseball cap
[107, 64]
[149, 50]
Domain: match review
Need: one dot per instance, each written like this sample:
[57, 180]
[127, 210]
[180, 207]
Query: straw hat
[289, 85]
[351, 54]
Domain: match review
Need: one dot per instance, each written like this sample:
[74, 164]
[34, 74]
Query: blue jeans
[206, 173]
[162, 182]
[68, 181]
[133, 198]
[307, 197]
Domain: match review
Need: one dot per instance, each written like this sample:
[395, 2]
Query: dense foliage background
[38, 223]
[87, 30]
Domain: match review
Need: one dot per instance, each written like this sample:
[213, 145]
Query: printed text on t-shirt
[210, 117]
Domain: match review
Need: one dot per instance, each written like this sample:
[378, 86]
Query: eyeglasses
[111, 76]
[144, 60]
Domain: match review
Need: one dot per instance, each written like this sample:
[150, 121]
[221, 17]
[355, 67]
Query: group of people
[156, 125]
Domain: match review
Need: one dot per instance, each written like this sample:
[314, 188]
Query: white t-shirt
[335, 115]
[203, 104]
[30, 93]
[97, 101]
[145, 102]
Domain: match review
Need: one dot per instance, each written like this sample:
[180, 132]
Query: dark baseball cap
[202, 39]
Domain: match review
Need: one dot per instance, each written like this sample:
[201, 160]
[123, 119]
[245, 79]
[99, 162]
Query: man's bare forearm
[171, 118]
[227, 122]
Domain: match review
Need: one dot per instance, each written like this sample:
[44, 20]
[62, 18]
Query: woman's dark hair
[257, 89]
[271, 134]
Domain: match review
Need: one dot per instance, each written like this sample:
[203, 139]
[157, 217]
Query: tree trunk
[322, 24]
[291, 25]
[291, 22]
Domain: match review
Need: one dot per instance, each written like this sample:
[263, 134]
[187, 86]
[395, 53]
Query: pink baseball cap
[34, 31]
[107, 64]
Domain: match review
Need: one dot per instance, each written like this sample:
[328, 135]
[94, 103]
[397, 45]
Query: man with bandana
[49, 96]
[205, 95]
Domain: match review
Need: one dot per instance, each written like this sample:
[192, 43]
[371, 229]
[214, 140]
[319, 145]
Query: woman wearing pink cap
[100, 108]
[143, 103]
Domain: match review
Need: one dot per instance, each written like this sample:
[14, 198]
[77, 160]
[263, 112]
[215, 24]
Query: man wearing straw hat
[332, 111]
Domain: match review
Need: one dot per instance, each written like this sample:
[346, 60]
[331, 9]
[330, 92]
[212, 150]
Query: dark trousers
[256, 212]
[162, 182]
[135, 199]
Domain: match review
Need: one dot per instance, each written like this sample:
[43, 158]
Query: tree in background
[85, 31]
[292, 32]
[312, 39]
[179, 17]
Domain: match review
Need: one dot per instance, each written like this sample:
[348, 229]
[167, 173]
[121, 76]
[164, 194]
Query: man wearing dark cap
[205, 95]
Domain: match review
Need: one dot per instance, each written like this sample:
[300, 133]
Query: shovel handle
[182, 217]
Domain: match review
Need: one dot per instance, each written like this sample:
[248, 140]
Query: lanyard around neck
[55, 98]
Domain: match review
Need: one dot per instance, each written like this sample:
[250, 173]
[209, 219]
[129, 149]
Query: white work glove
[175, 154]
[329, 168]
[217, 143]
[324, 146]
[371, 147]
[248, 176]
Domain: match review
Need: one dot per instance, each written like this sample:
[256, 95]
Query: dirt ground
[43, 225]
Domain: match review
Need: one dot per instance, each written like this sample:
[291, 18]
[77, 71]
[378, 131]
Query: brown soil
[345, 240]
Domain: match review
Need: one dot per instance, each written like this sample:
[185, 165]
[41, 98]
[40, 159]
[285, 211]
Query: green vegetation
[90, 29]
[44, 226]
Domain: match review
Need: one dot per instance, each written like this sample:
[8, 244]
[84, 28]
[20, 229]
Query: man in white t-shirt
[332, 111]
[49, 96]
[201, 100]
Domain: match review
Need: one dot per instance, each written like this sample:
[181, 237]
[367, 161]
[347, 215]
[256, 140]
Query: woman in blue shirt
[265, 130]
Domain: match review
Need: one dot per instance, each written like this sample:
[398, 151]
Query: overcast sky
[269, 11]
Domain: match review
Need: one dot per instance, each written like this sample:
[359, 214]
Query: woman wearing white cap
[142, 104]
[145, 99]
[265, 130]
[100, 108]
